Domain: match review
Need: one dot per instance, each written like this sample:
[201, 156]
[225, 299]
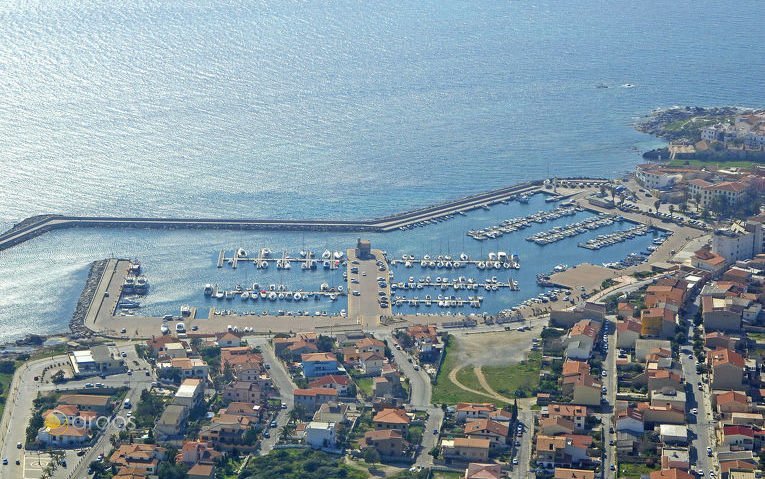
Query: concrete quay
[37, 225]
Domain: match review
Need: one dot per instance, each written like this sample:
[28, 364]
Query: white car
[694, 411]
[604, 373]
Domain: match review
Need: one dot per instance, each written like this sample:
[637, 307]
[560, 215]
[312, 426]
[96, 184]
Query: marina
[560, 233]
[605, 240]
[516, 224]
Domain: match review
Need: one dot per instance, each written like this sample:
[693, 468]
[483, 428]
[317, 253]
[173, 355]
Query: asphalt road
[282, 382]
[700, 425]
[522, 470]
[610, 381]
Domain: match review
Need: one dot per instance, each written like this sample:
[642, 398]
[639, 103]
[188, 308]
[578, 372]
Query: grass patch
[445, 391]
[49, 352]
[634, 470]
[447, 475]
[723, 164]
[365, 386]
[510, 378]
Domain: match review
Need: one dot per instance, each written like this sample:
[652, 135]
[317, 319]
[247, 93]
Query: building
[496, 432]
[738, 438]
[226, 430]
[389, 443]
[320, 364]
[721, 314]
[587, 391]
[631, 420]
[63, 436]
[471, 410]
[730, 402]
[706, 260]
[627, 332]
[190, 393]
[658, 323]
[565, 473]
[668, 397]
[201, 471]
[465, 449]
[198, 452]
[309, 400]
[332, 412]
[371, 363]
[476, 470]
[727, 369]
[190, 367]
[97, 360]
[339, 382]
[674, 457]
[676, 434]
[670, 474]
[392, 418]
[656, 177]
[581, 338]
[320, 435]
[229, 340]
[741, 240]
[706, 192]
[144, 457]
[574, 413]
[99, 404]
[172, 423]
[243, 391]
[553, 451]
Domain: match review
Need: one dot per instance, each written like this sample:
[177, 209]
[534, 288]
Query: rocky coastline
[77, 323]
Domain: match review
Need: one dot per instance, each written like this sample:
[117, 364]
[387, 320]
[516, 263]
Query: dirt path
[455, 381]
[485, 384]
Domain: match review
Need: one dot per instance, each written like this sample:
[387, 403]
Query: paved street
[701, 425]
[282, 381]
[522, 470]
[610, 381]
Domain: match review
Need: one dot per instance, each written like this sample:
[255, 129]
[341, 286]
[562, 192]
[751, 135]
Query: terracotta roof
[550, 443]
[563, 473]
[566, 410]
[371, 356]
[483, 471]
[339, 379]
[574, 368]
[726, 356]
[726, 466]
[487, 425]
[731, 397]
[628, 325]
[467, 442]
[84, 399]
[392, 416]
[315, 392]
[369, 342]
[318, 357]
[67, 430]
[738, 431]
[670, 474]
[201, 470]
[475, 407]
[383, 434]
[585, 327]
[546, 422]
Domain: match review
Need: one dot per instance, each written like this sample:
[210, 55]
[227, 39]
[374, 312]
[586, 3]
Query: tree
[58, 377]
[671, 209]
[325, 343]
[371, 456]
[7, 367]
[656, 205]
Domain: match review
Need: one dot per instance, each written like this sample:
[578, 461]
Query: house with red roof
[738, 438]
[727, 367]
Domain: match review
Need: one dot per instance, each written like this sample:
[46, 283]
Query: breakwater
[77, 323]
[37, 225]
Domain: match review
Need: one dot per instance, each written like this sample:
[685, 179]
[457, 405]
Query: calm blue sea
[325, 109]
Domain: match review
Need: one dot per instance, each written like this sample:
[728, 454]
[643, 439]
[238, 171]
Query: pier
[35, 226]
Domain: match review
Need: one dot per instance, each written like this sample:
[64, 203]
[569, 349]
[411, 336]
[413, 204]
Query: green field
[634, 471]
[505, 379]
[721, 164]
[365, 386]
[509, 378]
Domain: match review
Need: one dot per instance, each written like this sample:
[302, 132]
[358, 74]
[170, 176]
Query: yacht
[272, 296]
[326, 254]
[338, 255]
[219, 294]
[241, 253]
[464, 257]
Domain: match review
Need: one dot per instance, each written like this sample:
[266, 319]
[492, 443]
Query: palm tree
[671, 209]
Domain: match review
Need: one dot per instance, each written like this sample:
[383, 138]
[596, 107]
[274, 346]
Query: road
[522, 470]
[419, 398]
[701, 425]
[610, 381]
[282, 382]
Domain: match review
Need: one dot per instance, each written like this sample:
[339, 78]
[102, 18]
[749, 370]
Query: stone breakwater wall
[77, 323]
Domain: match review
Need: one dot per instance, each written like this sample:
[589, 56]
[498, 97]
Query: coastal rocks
[77, 323]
